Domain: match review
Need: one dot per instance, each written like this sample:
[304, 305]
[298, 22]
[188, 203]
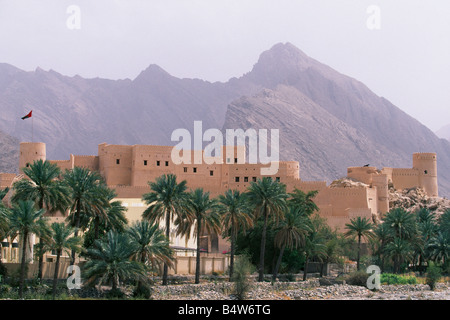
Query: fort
[128, 168]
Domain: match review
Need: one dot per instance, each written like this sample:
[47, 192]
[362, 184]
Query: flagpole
[32, 129]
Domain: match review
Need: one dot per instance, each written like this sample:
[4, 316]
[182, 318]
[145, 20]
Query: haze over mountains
[444, 132]
[327, 121]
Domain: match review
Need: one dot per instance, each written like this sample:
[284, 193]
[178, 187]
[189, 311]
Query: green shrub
[434, 273]
[357, 278]
[3, 272]
[390, 278]
[143, 291]
[5, 291]
[242, 269]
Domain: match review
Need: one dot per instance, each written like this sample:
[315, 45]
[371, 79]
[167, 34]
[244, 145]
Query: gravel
[303, 290]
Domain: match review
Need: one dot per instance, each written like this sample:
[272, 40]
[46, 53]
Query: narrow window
[235, 160]
[158, 163]
[194, 170]
[254, 179]
[145, 162]
[277, 179]
[185, 169]
[117, 161]
[167, 163]
[211, 173]
[236, 179]
[245, 179]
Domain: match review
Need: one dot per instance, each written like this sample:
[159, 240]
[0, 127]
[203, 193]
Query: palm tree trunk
[232, 252]
[55, 276]
[77, 225]
[22, 267]
[305, 271]
[114, 285]
[322, 265]
[41, 244]
[197, 264]
[277, 266]
[381, 257]
[359, 252]
[166, 267]
[263, 246]
[395, 265]
[139, 282]
[41, 258]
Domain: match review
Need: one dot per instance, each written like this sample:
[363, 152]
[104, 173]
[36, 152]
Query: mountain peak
[281, 62]
[153, 71]
[285, 55]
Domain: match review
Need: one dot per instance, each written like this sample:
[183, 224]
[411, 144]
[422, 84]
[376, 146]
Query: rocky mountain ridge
[327, 121]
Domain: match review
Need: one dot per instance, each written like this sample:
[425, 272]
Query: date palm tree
[314, 242]
[24, 220]
[304, 200]
[444, 222]
[62, 239]
[44, 187]
[103, 218]
[401, 222]
[235, 216]
[110, 262]
[360, 228]
[86, 195]
[314, 248]
[291, 232]
[399, 250]
[427, 227]
[439, 247]
[151, 245]
[383, 236]
[268, 198]
[165, 201]
[202, 218]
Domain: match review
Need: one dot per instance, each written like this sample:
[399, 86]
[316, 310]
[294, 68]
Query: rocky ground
[415, 198]
[303, 290]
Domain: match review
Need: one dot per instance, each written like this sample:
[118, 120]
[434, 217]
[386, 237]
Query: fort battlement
[405, 172]
[359, 212]
[425, 155]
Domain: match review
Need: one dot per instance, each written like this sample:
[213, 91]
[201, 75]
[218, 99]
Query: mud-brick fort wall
[423, 174]
[115, 163]
[128, 169]
[6, 179]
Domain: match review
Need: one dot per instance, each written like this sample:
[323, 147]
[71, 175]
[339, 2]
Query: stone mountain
[327, 121]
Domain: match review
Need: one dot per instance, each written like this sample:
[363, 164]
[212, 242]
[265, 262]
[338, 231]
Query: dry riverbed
[304, 290]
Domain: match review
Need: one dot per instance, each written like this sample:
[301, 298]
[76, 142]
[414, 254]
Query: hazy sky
[399, 48]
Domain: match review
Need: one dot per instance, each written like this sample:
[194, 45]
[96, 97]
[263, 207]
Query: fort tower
[426, 164]
[30, 152]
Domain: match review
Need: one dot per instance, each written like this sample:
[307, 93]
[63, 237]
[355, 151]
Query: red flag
[27, 116]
